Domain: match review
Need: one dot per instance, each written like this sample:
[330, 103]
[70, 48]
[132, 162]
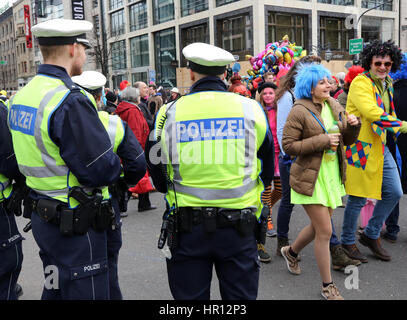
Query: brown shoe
[353, 252]
[331, 292]
[292, 263]
[283, 242]
[375, 246]
[340, 259]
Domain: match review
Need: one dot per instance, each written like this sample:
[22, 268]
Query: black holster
[172, 232]
[14, 202]
[261, 226]
[245, 226]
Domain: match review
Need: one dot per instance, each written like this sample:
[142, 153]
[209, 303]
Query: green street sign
[3, 62]
[355, 46]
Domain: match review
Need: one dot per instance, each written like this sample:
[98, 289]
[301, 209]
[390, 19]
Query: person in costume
[318, 171]
[372, 170]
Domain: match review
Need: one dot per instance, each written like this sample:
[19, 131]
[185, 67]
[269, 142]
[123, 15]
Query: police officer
[64, 151]
[218, 149]
[11, 256]
[126, 146]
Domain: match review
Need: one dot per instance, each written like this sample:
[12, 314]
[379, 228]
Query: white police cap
[206, 58]
[62, 31]
[90, 80]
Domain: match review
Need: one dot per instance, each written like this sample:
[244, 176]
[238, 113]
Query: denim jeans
[391, 194]
[392, 227]
[286, 207]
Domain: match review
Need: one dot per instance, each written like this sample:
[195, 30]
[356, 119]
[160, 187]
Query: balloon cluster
[275, 58]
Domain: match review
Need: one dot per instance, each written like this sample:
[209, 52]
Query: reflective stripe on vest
[37, 155]
[114, 128]
[237, 126]
[5, 187]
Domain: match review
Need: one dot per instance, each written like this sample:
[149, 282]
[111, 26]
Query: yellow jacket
[365, 157]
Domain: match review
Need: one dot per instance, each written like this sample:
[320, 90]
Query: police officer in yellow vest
[217, 150]
[11, 256]
[65, 153]
[126, 146]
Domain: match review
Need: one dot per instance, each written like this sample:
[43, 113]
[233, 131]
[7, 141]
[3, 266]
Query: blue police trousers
[75, 267]
[235, 259]
[11, 255]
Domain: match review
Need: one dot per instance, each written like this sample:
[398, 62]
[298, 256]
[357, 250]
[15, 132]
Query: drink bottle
[331, 153]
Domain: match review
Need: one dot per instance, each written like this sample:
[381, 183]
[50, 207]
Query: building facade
[8, 62]
[145, 38]
[23, 41]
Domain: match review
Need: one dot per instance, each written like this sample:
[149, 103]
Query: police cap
[90, 80]
[207, 59]
[62, 31]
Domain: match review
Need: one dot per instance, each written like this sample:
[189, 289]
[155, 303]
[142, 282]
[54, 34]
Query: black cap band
[59, 41]
[210, 71]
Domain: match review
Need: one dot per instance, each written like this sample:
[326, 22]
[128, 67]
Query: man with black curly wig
[371, 169]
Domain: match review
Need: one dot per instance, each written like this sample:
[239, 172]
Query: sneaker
[331, 292]
[271, 233]
[263, 255]
[340, 260]
[292, 263]
[281, 242]
[123, 214]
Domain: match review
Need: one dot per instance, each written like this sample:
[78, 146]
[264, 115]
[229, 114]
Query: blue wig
[402, 72]
[307, 78]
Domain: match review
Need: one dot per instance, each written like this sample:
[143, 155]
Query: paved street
[142, 268]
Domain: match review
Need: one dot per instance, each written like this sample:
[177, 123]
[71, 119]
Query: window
[223, 2]
[293, 25]
[339, 2]
[95, 3]
[334, 35]
[114, 4]
[139, 76]
[96, 25]
[193, 34]
[377, 28]
[119, 55]
[163, 10]
[193, 6]
[388, 5]
[138, 16]
[165, 52]
[117, 79]
[117, 23]
[235, 35]
[139, 51]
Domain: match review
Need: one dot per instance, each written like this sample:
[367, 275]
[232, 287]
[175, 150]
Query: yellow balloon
[287, 57]
[279, 54]
[303, 53]
[248, 56]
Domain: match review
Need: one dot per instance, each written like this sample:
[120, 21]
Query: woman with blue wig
[317, 174]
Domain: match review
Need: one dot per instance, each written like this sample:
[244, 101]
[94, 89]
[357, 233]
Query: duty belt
[73, 221]
[243, 220]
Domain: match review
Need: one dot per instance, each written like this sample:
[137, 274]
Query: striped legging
[269, 197]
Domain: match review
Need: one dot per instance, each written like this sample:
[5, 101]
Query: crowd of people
[306, 138]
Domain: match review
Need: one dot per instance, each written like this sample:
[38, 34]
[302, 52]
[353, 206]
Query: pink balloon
[259, 63]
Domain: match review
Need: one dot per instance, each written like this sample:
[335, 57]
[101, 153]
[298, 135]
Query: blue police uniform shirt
[8, 163]
[81, 137]
[132, 155]
[265, 152]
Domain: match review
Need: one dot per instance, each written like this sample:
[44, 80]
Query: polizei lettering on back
[210, 129]
[22, 118]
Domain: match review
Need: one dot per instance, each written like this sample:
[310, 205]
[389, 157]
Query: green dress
[329, 189]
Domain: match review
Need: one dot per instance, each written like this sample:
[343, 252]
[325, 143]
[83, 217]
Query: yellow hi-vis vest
[5, 188]
[210, 142]
[37, 155]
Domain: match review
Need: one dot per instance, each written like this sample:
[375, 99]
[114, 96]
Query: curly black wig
[378, 48]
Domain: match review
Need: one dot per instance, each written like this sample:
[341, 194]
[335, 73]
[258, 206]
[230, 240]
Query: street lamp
[328, 55]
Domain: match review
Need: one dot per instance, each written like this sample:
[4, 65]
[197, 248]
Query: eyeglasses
[386, 64]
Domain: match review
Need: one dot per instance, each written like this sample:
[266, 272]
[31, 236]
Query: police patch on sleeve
[210, 129]
[22, 118]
